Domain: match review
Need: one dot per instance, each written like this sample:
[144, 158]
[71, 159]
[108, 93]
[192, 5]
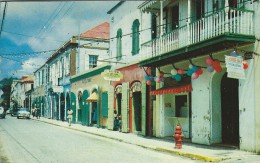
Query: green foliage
[5, 86]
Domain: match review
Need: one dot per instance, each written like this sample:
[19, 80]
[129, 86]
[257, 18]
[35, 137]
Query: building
[88, 88]
[192, 48]
[59, 68]
[128, 31]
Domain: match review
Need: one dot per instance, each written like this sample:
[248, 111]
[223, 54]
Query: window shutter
[104, 105]
[125, 107]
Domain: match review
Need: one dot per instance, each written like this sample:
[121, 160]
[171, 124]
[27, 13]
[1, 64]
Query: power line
[2, 23]
[29, 36]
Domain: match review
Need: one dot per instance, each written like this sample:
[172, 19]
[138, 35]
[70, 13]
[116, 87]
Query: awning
[92, 97]
[172, 90]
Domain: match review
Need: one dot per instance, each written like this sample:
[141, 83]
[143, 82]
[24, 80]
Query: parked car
[14, 111]
[23, 112]
[2, 112]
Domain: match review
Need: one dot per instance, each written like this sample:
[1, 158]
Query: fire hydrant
[178, 136]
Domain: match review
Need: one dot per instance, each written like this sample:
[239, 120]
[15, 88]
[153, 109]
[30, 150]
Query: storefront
[91, 97]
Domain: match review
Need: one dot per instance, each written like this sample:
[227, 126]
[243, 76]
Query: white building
[218, 109]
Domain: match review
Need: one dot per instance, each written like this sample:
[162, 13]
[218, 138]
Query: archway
[137, 105]
[67, 103]
[118, 94]
[230, 110]
[62, 106]
[80, 107]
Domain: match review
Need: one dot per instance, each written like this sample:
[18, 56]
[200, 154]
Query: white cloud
[32, 18]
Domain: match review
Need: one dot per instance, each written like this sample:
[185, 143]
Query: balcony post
[188, 23]
[161, 18]
[226, 15]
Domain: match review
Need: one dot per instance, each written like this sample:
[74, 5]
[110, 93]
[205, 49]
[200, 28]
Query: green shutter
[144, 108]
[125, 107]
[110, 120]
[119, 44]
[85, 108]
[104, 104]
[135, 37]
[98, 107]
[73, 106]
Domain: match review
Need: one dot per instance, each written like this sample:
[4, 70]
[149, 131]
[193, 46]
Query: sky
[31, 31]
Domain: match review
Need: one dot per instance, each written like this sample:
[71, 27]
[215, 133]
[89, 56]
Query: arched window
[119, 45]
[135, 37]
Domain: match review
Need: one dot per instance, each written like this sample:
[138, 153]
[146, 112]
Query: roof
[27, 79]
[115, 7]
[101, 31]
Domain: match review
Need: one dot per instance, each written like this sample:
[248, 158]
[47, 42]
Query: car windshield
[23, 109]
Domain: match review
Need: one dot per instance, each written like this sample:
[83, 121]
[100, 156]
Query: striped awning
[172, 90]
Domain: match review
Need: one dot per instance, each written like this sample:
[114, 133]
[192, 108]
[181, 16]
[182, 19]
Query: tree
[5, 86]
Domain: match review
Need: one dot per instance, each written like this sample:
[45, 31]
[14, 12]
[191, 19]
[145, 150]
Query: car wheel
[17, 117]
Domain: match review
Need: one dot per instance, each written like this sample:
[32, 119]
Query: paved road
[29, 141]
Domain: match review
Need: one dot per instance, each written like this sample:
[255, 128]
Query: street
[33, 141]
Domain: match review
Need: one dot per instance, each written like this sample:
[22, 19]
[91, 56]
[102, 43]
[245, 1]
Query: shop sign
[235, 67]
[112, 75]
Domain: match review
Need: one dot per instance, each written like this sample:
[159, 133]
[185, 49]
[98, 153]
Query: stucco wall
[89, 84]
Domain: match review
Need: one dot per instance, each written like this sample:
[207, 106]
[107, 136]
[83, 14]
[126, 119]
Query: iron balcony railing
[227, 20]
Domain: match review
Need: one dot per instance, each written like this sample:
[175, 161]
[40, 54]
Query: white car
[23, 112]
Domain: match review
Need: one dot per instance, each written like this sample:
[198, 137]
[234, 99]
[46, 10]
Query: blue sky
[43, 26]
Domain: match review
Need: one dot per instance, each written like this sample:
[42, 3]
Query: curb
[184, 154]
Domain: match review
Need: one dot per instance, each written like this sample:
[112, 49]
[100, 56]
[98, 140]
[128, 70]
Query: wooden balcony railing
[227, 20]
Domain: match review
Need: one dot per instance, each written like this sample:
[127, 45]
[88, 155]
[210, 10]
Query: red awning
[172, 90]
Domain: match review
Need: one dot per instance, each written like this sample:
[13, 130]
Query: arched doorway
[118, 93]
[80, 107]
[137, 105]
[230, 110]
[67, 102]
[62, 106]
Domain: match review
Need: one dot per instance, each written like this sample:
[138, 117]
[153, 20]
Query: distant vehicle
[23, 112]
[7, 111]
[13, 112]
[2, 112]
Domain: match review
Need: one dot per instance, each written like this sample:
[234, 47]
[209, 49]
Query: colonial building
[19, 98]
[60, 66]
[88, 88]
[128, 29]
[194, 47]
[39, 92]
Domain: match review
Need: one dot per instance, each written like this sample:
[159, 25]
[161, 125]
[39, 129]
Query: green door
[85, 108]
[125, 107]
[73, 106]
[110, 118]
[143, 108]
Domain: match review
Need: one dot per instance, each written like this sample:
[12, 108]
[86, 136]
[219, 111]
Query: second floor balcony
[226, 27]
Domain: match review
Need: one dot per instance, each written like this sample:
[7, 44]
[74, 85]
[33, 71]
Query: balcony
[227, 27]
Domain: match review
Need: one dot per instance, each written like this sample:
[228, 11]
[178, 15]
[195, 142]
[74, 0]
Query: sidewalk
[191, 150]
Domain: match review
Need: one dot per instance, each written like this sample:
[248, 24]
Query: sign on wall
[112, 75]
[235, 67]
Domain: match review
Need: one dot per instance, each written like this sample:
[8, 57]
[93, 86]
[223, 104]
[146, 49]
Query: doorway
[230, 111]
[137, 103]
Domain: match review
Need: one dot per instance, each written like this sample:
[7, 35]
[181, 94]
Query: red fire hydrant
[178, 136]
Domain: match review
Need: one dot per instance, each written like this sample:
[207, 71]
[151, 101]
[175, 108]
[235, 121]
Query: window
[182, 110]
[119, 45]
[93, 61]
[135, 38]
